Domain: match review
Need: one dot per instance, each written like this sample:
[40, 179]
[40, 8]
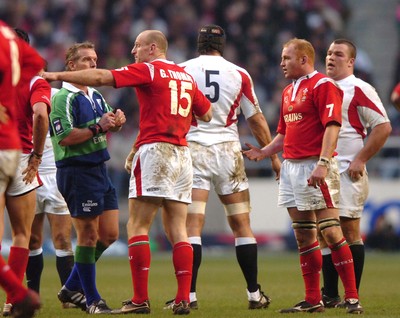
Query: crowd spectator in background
[383, 236]
[112, 25]
[262, 25]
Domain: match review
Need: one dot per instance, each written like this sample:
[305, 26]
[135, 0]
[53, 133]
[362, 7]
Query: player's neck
[81, 87]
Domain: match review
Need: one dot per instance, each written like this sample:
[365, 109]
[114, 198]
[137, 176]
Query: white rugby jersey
[362, 109]
[230, 89]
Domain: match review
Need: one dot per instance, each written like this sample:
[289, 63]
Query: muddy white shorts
[48, 198]
[162, 170]
[294, 190]
[220, 164]
[353, 195]
[17, 185]
[8, 167]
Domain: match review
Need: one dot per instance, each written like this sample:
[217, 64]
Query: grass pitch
[221, 287]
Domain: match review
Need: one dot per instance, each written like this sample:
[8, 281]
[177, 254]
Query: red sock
[11, 283]
[343, 261]
[182, 257]
[311, 265]
[139, 261]
[18, 260]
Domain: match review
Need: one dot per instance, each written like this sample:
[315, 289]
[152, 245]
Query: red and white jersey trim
[362, 109]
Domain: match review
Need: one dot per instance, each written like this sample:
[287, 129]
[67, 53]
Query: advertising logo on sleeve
[58, 128]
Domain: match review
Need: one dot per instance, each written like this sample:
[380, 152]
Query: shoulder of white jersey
[54, 91]
[238, 68]
[188, 62]
[324, 80]
[363, 84]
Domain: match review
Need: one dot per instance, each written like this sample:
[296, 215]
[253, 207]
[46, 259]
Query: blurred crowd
[256, 30]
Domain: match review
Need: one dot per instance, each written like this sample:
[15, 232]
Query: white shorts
[162, 170]
[221, 164]
[295, 192]
[17, 185]
[353, 195]
[8, 167]
[48, 198]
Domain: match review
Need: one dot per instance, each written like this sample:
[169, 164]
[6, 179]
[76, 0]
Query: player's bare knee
[62, 242]
[110, 238]
[330, 229]
[304, 231]
[353, 237]
[35, 242]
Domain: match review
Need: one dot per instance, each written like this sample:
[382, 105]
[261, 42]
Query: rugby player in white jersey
[217, 158]
[362, 109]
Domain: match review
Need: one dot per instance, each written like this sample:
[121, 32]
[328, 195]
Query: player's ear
[352, 62]
[70, 66]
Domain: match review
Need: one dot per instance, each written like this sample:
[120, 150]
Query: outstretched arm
[257, 154]
[260, 130]
[89, 77]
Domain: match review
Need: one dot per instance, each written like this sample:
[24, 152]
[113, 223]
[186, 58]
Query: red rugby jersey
[168, 96]
[308, 105]
[18, 63]
[29, 93]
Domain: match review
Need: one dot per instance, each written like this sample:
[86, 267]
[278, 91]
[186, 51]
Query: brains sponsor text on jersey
[289, 118]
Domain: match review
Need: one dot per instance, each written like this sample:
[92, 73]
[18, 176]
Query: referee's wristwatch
[95, 129]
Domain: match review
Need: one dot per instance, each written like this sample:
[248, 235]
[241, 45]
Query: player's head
[149, 45]
[25, 36]
[352, 49]
[211, 38]
[297, 58]
[22, 35]
[80, 56]
[302, 48]
[340, 59]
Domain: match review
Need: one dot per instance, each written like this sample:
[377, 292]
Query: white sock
[254, 296]
[192, 297]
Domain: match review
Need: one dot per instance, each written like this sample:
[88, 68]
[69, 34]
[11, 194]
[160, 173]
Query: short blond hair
[302, 47]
